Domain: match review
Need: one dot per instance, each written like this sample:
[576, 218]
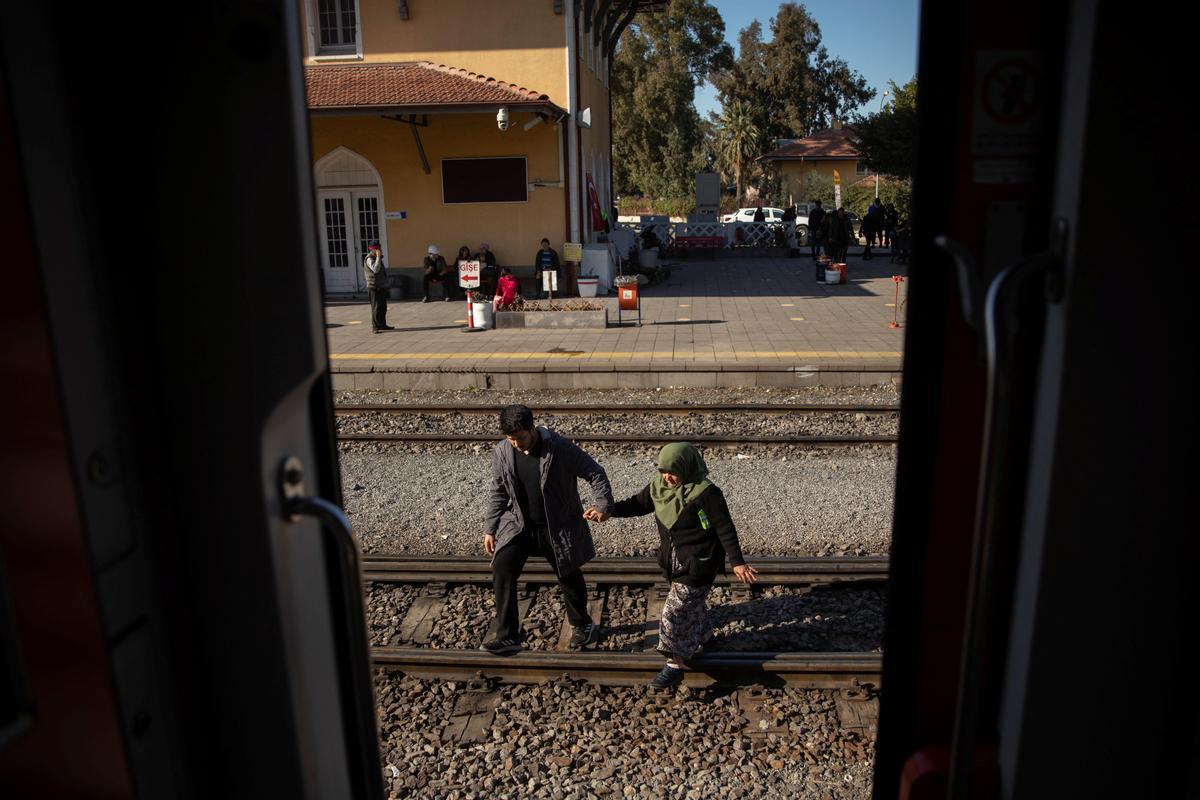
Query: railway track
[463, 433]
[627, 667]
[614, 668]
[635, 439]
[779, 571]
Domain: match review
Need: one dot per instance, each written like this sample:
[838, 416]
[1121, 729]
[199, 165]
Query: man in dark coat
[815, 218]
[533, 508]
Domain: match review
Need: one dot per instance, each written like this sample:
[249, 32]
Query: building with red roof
[457, 123]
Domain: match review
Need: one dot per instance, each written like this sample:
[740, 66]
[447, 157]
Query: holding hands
[745, 573]
[592, 515]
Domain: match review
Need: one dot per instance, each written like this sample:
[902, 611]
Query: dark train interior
[179, 607]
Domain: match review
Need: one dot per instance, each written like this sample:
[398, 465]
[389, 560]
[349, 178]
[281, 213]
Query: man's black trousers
[378, 298]
[506, 569]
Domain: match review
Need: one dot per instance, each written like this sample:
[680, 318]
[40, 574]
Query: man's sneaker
[424, 299]
[668, 677]
[500, 647]
[583, 636]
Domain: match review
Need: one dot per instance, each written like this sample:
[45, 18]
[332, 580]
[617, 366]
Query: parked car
[747, 215]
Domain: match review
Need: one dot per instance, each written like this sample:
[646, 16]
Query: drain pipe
[572, 128]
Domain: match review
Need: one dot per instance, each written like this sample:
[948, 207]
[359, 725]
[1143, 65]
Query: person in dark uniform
[533, 508]
[376, 277]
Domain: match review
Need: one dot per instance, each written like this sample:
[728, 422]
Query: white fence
[733, 234]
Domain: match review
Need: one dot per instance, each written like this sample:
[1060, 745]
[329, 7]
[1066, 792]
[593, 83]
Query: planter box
[552, 319]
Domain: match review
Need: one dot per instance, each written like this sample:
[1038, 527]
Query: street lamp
[885, 94]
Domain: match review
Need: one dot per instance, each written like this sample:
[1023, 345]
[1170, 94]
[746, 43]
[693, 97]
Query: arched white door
[349, 217]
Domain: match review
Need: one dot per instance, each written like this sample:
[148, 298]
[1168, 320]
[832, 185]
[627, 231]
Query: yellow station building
[820, 154]
[458, 122]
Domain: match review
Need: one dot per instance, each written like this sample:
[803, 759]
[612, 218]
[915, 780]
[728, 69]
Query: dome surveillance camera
[502, 119]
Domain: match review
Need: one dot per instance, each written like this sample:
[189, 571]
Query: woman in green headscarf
[695, 533]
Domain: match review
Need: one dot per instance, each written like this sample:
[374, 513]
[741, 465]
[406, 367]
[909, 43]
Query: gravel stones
[825, 618]
[881, 394]
[624, 619]
[465, 618]
[835, 618]
[386, 606]
[680, 426]
[568, 739]
[816, 502]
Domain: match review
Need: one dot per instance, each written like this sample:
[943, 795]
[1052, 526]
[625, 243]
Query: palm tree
[739, 139]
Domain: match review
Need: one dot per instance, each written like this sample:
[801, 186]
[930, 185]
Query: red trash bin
[627, 300]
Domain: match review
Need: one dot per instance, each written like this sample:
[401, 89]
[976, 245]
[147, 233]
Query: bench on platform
[706, 244]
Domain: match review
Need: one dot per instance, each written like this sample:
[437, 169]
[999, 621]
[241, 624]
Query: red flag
[594, 202]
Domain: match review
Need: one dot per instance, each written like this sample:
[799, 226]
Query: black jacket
[700, 551]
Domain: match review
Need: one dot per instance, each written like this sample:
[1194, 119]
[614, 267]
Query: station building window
[337, 22]
[485, 180]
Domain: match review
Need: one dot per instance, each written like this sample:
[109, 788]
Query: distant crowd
[494, 280]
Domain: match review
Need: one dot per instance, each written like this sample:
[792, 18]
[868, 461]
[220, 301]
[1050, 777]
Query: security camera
[502, 119]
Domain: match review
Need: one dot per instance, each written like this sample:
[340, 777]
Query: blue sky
[877, 38]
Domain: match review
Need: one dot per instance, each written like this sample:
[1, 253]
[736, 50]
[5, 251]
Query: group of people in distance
[533, 508]
[831, 232]
[494, 280]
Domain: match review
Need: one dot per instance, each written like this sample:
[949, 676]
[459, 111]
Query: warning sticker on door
[1008, 103]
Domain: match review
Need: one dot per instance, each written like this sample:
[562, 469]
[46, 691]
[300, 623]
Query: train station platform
[727, 322]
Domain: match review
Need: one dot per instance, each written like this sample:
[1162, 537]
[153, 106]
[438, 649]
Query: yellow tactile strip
[757, 355]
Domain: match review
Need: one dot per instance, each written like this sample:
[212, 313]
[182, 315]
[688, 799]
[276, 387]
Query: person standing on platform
[837, 233]
[546, 259]
[815, 218]
[376, 278]
[533, 508]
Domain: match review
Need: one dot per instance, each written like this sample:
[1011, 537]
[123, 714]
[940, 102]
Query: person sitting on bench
[435, 272]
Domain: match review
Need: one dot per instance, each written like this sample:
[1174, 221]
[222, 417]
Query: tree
[795, 86]
[659, 62]
[739, 139]
[892, 191]
[886, 138]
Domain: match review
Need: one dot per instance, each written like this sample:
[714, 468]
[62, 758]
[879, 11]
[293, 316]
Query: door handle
[349, 623]
[1000, 452]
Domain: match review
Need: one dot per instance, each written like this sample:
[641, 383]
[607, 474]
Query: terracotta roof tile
[830, 143]
[418, 83]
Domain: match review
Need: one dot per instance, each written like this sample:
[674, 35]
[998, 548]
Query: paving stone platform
[727, 322]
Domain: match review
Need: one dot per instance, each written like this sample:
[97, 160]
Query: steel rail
[774, 571]
[645, 439]
[346, 409]
[620, 668]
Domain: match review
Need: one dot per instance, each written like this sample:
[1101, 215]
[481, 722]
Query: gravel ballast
[881, 394]
[429, 501]
[834, 618]
[568, 739]
[745, 423]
